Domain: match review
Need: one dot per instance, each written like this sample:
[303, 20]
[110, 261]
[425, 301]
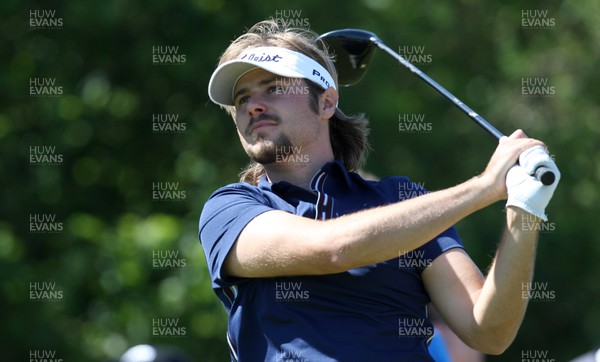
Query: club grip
[545, 175]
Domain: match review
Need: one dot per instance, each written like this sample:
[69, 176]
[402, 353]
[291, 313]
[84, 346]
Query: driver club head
[353, 49]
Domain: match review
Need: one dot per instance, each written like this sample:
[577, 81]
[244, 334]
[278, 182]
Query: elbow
[492, 343]
[337, 262]
[495, 349]
[500, 345]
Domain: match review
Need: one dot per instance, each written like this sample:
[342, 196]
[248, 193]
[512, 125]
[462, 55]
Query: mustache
[261, 117]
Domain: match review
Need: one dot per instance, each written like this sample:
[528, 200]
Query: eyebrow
[246, 89]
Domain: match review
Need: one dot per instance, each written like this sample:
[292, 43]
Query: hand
[505, 157]
[524, 191]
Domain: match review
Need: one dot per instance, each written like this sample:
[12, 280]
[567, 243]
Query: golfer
[314, 263]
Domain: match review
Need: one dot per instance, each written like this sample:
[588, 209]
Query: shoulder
[232, 197]
[236, 192]
[229, 209]
[235, 188]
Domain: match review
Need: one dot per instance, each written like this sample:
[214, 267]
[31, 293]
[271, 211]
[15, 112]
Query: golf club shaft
[463, 107]
[544, 174]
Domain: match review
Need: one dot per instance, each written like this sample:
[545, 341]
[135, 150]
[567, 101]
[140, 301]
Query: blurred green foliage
[100, 191]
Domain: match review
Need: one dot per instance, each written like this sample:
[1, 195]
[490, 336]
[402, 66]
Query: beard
[265, 151]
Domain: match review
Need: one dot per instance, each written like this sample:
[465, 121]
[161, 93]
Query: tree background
[100, 194]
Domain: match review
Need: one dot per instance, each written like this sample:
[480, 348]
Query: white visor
[280, 61]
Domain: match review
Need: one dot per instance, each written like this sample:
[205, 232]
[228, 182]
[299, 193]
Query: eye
[274, 89]
[241, 100]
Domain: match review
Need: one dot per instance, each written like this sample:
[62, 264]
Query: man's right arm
[277, 243]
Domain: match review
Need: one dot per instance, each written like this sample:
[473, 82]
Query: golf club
[354, 50]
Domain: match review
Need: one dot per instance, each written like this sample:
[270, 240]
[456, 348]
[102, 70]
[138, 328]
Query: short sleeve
[420, 258]
[224, 216]
[447, 240]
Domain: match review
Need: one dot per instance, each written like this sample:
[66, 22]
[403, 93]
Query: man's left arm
[486, 313]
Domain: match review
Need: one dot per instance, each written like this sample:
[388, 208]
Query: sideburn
[314, 91]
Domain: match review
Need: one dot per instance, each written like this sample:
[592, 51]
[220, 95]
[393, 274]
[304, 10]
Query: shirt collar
[335, 169]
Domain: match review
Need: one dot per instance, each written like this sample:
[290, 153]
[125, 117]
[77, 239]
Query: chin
[264, 155]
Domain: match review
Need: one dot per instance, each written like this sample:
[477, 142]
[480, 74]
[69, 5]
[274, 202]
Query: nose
[256, 105]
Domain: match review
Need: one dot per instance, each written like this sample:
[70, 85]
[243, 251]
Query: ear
[328, 103]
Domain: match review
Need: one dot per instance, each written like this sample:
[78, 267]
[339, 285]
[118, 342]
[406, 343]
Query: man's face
[272, 112]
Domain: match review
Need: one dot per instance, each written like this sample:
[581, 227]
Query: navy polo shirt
[372, 313]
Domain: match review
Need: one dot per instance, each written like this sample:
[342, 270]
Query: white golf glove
[524, 191]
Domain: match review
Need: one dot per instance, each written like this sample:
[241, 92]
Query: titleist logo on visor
[262, 58]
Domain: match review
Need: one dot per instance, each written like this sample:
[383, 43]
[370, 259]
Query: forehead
[253, 77]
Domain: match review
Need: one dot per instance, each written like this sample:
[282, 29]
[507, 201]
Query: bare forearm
[500, 308]
[267, 248]
[383, 233]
